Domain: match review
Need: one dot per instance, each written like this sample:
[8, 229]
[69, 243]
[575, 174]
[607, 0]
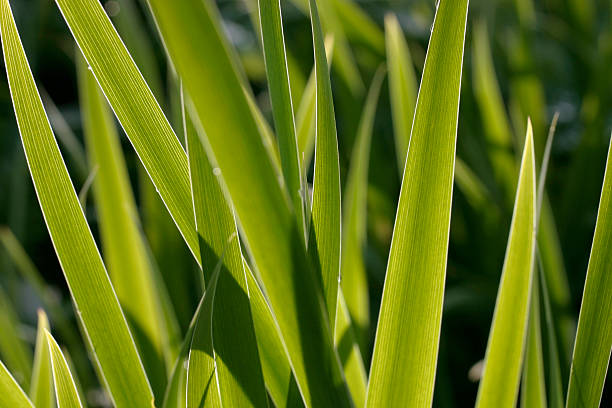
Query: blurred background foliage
[523, 58]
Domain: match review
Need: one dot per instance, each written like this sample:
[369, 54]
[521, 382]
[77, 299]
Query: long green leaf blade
[353, 272]
[405, 350]
[504, 356]
[324, 236]
[594, 336]
[226, 125]
[92, 292]
[11, 395]
[65, 386]
[282, 105]
[41, 389]
[136, 108]
[124, 249]
[239, 377]
[402, 87]
[533, 387]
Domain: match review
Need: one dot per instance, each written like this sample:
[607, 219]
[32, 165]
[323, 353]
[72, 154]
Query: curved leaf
[11, 395]
[65, 387]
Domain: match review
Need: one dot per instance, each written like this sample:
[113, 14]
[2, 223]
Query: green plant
[283, 317]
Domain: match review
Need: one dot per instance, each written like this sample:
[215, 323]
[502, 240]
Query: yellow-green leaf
[41, 389]
[65, 387]
[11, 395]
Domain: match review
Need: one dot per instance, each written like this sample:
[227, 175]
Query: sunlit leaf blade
[497, 132]
[271, 234]
[353, 272]
[306, 112]
[238, 371]
[554, 388]
[203, 389]
[533, 388]
[504, 356]
[11, 395]
[594, 336]
[350, 354]
[123, 246]
[282, 105]
[405, 351]
[41, 389]
[402, 86]
[136, 108]
[274, 363]
[65, 387]
[13, 348]
[324, 235]
[92, 293]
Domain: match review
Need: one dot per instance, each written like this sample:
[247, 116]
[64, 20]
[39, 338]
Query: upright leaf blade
[402, 87]
[91, 290]
[324, 235]
[503, 360]
[238, 371]
[282, 105]
[41, 389]
[136, 108]
[11, 395]
[533, 387]
[594, 336]
[353, 272]
[229, 131]
[124, 249]
[405, 350]
[65, 387]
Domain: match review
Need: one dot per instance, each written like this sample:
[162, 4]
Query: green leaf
[124, 249]
[11, 395]
[282, 105]
[65, 387]
[92, 292]
[504, 356]
[353, 272]
[41, 389]
[136, 108]
[553, 369]
[405, 350]
[402, 87]
[234, 348]
[533, 387]
[13, 349]
[345, 340]
[223, 116]
[594, 335]
[324, 235]
[203, 389]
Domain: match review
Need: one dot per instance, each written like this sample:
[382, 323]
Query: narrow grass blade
[41, 389]
[136, 108]
[13, 349]
[554, 389]
[65, 387]
[272, 351]
[594, 336]
[226, 125]
[498, 134]
[11, 395]
[533, 387]
[203, 389]
[92, 292]
[504, 356]
[282, 105]
[353, 272]
[405, 351]
[402, 87]
[124, 249]
[306, 113]
[324, 235]
[345, 340]
[238, 371]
